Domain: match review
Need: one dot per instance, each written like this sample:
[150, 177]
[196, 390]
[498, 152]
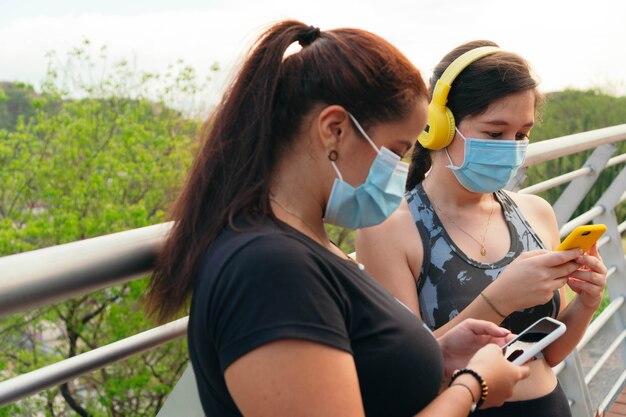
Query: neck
[298, 201]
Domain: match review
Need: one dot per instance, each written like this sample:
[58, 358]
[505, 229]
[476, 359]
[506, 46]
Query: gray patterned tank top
[449, 280]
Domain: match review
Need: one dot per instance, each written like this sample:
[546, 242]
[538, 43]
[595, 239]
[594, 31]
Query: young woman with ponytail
[461, 247]
[282, 322]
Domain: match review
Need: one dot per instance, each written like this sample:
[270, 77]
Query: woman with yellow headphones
[460, 246]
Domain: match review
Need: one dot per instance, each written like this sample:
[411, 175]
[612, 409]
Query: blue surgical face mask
[373, 201]
[488, 164]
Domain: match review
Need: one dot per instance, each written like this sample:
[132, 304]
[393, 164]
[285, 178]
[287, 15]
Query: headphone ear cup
[439, 130]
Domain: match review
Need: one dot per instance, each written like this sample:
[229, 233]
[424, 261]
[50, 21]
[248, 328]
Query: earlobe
[331, 121]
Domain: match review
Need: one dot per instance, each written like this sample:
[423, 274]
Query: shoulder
[539, 214]
[263, 268]
[529, 201]
[272, 250]
[390, 232]
[393, 242]
[531, 204]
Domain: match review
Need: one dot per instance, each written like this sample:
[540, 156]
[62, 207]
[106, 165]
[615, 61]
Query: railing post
[572, 379]
[184, 398]
[575, 192]
[613, 252]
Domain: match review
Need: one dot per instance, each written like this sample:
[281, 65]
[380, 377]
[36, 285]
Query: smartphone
[583, 237]
[533, 340]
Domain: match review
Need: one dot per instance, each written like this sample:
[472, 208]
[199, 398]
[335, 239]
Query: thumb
[524, 371]
[483, 327]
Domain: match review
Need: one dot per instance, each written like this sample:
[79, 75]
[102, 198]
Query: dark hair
[481, 83]
[257, 120]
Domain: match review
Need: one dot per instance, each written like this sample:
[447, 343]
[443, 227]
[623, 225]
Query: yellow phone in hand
[583, 237]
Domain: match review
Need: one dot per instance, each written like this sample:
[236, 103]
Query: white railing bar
[612, 393]
[567, 177]
[44, 276]
[616, 160]
[584, 218]
[610, 271]
[603, 240]
[556, 181]
[566, 145]
[599, 322]
[605, 356]
[621, 227]
[35, 381]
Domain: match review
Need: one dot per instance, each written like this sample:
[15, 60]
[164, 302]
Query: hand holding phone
[533, 340]
[583, 237]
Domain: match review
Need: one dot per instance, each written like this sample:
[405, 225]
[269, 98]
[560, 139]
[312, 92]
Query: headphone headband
[459, 64]
[439, 130]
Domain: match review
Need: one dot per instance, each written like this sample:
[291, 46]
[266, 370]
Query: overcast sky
[570, 43]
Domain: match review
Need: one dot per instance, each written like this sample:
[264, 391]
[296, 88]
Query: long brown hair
[257, 121]
[481, 83]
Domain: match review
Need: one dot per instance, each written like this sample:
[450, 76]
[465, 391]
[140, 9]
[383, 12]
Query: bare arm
[588, 281]
[392, 253]
[301, 378]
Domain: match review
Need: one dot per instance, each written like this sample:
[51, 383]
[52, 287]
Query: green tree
[573, 111]
[94, 158]
[17, 100]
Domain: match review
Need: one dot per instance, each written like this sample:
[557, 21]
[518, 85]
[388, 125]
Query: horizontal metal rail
[65, 370]
[584, 218]
[44, 276]
[565, 178]
[610, 271]
[612, 393]
[566, 145]
[593, 329]
[605, 356]
[556, 181]
[616, 160]
[599, 322]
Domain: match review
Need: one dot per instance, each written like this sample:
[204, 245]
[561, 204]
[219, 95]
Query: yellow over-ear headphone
[439, 130]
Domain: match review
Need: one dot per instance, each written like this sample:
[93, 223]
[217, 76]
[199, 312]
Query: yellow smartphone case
[583, 237]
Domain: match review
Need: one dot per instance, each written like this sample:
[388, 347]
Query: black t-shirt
[270, 282]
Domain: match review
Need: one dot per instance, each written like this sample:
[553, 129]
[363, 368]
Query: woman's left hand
[460, 343]
[590, 279]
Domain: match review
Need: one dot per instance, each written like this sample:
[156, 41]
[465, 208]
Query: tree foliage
[569, 112]
[91, 155]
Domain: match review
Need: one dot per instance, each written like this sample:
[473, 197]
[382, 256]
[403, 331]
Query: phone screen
[528, 338]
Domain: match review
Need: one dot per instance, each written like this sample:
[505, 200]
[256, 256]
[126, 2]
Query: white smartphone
[533, 340]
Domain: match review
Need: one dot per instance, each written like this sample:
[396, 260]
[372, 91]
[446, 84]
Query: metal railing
[44, 276]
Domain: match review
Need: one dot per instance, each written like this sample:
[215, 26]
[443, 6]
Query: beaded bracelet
[484, 389]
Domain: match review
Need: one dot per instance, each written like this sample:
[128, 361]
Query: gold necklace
[483, 250]
[321, 239]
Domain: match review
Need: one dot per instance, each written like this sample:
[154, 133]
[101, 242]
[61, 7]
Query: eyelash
[519, 136]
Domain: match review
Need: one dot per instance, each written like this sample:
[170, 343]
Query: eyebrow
[504, 123]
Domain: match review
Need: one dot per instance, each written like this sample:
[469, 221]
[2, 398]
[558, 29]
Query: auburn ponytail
[258, 120]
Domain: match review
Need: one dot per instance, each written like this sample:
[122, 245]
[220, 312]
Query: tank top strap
[529, 238]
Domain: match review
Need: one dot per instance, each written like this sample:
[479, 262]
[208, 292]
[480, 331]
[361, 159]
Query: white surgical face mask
[488, 164]
[373, 201]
